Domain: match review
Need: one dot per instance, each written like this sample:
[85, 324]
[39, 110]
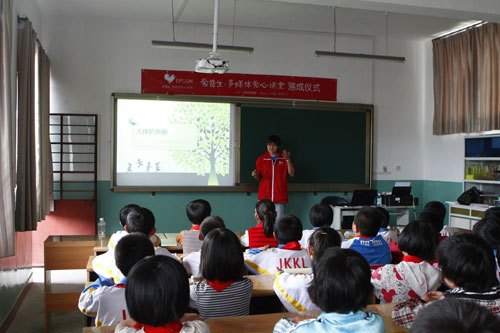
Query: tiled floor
[30, 316]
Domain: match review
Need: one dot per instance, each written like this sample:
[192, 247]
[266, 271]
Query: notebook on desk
[363, 198]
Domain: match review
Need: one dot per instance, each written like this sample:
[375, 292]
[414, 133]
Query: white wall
[94, 57]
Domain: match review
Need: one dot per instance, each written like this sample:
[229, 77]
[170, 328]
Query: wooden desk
[167, 241]
[262, 285]
[60, 253]
[265, 323]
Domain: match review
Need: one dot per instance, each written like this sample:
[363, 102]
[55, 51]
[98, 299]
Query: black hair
[222, 256]
[438, 207]
[274, 139]
[384, 214]
[130, 249]
[433, 217]
[266, 211]
[323, 238]
[321, 215]
[341, 281]
[468, 261]
[493, 212]
[367, 220]
[140, 220]
[210, 223]
[157, 291]
[451, 315]
[288, 229]
[419, 239]
[488, 229]
[198, 210]
[124, 213]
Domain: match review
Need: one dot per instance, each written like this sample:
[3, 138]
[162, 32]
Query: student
[468, 267]
[196, 211]
[223, 292]
[113, 240]
[262, 233]
[388, 234]
[139, 220]
[414, 276]
[272, 169]
[106, 300]
[440, 209]
[320, 215]
[436, 219]
[341, 288]
[449, 315]
[488, 229]
[191, 262]
[157, 296]
[493, 212]
[291, 288]
[288, 255]
[367, 241]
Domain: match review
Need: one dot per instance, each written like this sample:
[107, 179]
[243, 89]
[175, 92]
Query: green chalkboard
[331, 147]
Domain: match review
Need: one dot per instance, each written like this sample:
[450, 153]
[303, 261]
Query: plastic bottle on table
[101, 228]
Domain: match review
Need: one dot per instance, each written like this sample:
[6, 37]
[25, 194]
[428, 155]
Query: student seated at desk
[390, 235]
[138, 220]
[157, 296]
[262, 233]
[106, 300]
[468, 267]
[113, 240]
[455, 315]
[439, 209]
[196, 211]
[414, 276]
[291, 288]
[191, 262]
[288, 255]
[320, 215]
[341, 288]
[488, 229]
[367, 241]
[223, 291]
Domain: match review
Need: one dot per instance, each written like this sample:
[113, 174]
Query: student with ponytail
[262, 234]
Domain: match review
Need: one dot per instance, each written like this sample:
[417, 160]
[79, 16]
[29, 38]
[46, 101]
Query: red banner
[242, 85]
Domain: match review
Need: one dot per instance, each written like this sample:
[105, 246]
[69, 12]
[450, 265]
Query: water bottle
[101, 228]
[379, 199]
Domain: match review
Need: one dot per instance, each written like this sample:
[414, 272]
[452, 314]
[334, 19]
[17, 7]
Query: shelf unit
[482, 164]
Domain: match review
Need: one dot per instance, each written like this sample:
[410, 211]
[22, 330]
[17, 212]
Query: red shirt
[273, 182]
[257, 238]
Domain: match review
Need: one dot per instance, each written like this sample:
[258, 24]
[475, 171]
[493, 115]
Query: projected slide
[174, 143]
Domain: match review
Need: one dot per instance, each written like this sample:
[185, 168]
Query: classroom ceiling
[353, 16]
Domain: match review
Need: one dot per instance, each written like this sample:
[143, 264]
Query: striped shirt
[257, 238]
[232, 301]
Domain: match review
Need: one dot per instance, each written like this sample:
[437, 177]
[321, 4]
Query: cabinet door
[458, 222]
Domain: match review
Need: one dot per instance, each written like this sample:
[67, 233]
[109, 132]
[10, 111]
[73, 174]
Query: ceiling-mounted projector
[212, 64]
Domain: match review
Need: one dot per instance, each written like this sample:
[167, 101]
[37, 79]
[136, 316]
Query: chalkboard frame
[249, 102]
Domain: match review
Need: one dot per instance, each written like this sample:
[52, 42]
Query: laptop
[363, 198]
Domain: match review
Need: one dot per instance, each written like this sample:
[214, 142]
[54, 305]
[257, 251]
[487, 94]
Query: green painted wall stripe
[237, 208]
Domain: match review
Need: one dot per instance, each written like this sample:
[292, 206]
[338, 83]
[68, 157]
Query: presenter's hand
[255, 174]
[286, 155]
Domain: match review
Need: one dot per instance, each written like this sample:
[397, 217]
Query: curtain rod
[475, 25]
[25, 18]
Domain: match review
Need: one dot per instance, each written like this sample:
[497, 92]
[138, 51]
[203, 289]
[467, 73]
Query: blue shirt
[359, 321]
[375, 250]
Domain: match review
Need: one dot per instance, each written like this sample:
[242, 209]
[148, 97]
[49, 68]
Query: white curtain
[6, 130]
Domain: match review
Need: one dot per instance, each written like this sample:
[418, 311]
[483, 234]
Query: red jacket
[273, 182]
[257, 238]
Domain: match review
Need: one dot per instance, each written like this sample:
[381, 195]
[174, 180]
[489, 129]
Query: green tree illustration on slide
[212, 153]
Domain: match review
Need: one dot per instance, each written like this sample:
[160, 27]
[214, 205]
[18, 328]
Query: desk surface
[265, 323]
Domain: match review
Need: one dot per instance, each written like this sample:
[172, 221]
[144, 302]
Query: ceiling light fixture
[357, 55]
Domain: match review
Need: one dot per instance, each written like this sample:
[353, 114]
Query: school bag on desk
[472, 195]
